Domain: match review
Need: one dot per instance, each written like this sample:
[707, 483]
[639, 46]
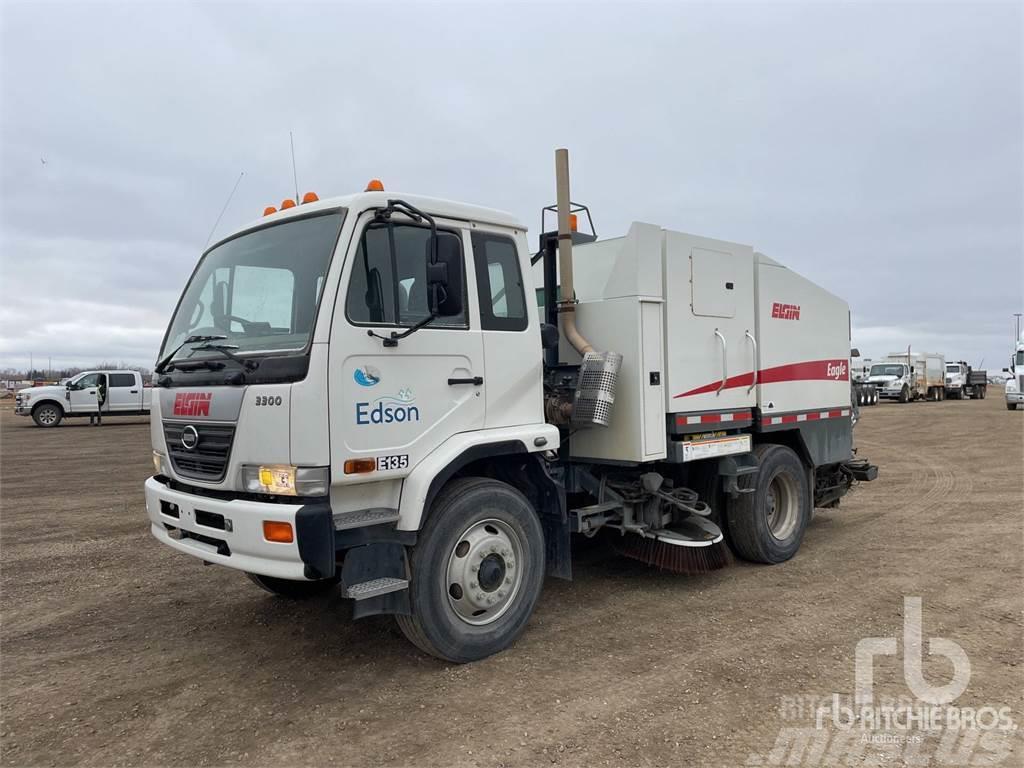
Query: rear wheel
[767, 526]
[47, 415]
[292, 590]
[477, 571]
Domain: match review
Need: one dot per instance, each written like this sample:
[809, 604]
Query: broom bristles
[690, 561]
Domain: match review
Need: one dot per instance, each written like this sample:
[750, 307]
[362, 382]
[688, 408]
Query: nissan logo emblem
[189, 438]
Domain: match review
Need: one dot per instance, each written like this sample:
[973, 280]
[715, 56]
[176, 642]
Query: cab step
[382, 586]
[359, 518]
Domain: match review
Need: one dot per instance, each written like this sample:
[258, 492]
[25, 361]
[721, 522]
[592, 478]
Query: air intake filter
[595, 390]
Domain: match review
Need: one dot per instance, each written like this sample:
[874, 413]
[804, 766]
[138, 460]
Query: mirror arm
[393, 339]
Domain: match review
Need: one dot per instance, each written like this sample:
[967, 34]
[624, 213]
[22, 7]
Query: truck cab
[126, 395]
[893, 379]
[1014, 387]
[956, 380]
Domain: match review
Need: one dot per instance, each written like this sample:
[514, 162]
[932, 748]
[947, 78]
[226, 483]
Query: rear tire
[47, 415]
[768, 525]
[477, 529]
[289, 589]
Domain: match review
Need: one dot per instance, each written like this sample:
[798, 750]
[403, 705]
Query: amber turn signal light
[277, 531]
[360, 466]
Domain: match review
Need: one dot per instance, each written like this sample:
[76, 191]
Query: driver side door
[82, 395]
[396, 404]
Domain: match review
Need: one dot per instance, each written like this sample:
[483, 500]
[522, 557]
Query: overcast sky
[875, 149]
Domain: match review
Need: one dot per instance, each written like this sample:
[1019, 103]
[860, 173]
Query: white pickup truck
[127, 395]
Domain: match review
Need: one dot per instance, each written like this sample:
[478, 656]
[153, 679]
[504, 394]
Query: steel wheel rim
[484, 572]
[47, 415]
[782, 502]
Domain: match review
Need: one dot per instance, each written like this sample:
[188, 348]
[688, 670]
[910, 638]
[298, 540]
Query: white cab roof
[435, 206]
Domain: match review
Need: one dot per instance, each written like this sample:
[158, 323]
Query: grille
[595, 391]
[209, 459]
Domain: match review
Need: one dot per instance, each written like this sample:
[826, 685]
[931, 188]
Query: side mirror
[548, 336]
[1006, 370]
[444, 277]
[911, 369]
[854, 352]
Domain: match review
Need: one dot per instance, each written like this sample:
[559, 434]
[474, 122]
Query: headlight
[286, 480]
[160, 464]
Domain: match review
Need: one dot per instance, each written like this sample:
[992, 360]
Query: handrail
[753, 341]
[725, 364]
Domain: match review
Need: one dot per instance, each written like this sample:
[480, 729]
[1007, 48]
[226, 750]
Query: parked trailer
[684, 382]
[906, 376]
[964, 383]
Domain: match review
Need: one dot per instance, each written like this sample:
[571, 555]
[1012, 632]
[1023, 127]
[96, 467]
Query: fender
[419, 486]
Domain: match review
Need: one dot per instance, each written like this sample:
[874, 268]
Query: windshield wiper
[225, 349]
[162, 364]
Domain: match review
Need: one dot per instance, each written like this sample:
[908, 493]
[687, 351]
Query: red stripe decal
[812, 370]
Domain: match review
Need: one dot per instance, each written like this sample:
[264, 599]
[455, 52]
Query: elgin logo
[192, 403]
[786, 311]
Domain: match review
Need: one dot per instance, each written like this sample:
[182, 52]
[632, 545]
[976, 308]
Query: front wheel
[1011, 406]
[477, 571]
[292, 590]
[905, 394]
[767, 526]
[47, 415]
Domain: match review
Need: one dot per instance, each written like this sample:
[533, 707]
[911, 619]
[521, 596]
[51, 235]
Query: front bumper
[231, 532]
[22, 410]
[1015, 397]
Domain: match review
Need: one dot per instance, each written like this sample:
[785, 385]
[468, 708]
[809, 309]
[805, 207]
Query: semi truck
[964, 382]
[908, 376]
[362, 394]
[127, 394]
[1014, 387]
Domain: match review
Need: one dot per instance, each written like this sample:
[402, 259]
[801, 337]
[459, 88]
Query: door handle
[753, 383]
[476, 381]
[725, 364]
[133, 391]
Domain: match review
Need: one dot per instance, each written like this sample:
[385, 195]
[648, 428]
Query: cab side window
[389, 286]
[122, 380]
[87, 382]
[499, 283]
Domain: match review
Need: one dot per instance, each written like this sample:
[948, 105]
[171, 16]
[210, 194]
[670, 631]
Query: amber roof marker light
[309, 197]
[374, 185]
[269, 210]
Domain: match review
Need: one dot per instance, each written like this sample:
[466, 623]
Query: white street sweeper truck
[361, 393]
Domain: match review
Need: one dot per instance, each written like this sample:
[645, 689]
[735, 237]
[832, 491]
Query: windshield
[952, 369]
[260, 290]
[886, 370]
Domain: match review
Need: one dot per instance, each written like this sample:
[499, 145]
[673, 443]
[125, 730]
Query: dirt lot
[118, 651]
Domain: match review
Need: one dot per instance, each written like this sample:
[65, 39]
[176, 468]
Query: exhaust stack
[567, 306]
[599, 371]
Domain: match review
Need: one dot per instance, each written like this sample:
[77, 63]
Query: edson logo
[367, 376]
[192, 403]
[836, 371]
[785, 311]
[389, 409]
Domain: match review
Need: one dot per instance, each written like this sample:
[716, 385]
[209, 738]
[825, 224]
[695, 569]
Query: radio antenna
[295, 174]
[222, 210]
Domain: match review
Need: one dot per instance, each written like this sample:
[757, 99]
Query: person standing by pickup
[101, 398]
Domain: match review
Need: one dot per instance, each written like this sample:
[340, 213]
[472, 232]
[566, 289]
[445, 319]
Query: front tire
[905, 394]
[1011, 406]
[47, 415]
[289, 589]
[767, 526]
[477, 571]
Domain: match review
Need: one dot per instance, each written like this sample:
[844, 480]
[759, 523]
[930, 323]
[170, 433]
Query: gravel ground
[117, 651]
